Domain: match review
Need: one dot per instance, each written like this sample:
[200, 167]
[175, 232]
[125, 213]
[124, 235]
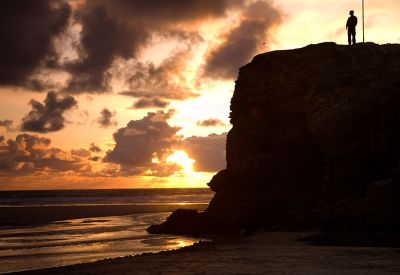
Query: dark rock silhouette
[315, 142]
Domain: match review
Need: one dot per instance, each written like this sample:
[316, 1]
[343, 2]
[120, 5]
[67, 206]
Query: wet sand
[84, 240]
[263, 253]
[43, 214]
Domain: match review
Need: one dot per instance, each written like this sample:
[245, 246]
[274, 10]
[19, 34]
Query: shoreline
[262, 253]
[35, 215]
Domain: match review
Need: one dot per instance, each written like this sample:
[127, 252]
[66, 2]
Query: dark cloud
[105, 35]
[208, 152]
[48, 117]
[120, 29]
[211, 122]
[141, 142]
[242, 42]
[116, 31]
[145, 103]
[7, 124]
[95, 158]
[154, 85]
[94, 148]
[27, 30]
[160, 12]
[105, 120]
[163, 81]
[30, 154]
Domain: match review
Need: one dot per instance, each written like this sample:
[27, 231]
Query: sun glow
[182, 159]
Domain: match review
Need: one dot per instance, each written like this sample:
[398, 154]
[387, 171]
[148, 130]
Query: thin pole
[363, 21]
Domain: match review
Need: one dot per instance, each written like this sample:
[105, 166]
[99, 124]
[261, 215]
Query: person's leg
[354, 37]
[349, 36]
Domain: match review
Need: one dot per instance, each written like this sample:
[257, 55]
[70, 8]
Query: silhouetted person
[351, 27]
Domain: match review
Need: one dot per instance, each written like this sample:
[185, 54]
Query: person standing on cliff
[351, 28]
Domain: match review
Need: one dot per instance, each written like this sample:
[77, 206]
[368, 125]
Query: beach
[82, 240]
[43, 229]
[261, 253]
[68, 232]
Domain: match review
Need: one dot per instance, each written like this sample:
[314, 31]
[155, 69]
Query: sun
[182, 159]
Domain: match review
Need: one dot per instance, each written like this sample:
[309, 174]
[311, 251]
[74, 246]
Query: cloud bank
[114, 31]
[121, 29]
[143, 146]
[31, 154]
[27, 30]
[143, 141]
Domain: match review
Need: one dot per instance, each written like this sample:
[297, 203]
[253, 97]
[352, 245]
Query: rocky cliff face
[315, 141]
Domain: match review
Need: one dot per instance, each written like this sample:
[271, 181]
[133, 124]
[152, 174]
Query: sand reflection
[82, 240]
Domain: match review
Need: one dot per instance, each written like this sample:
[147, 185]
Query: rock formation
[315, 142]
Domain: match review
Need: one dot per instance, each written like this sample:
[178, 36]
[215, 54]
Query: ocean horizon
[69, 197]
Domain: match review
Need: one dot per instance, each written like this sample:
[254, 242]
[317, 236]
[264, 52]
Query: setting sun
[182, 159]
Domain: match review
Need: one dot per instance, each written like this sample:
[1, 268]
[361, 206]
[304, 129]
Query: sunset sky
[135, 94]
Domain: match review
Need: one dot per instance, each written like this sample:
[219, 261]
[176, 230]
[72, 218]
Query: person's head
[351, 12]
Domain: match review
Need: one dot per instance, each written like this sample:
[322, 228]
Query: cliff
[315, 142]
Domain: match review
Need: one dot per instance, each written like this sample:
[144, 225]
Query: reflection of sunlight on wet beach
[83, 240]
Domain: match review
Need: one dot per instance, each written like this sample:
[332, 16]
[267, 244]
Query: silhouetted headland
[315, 143]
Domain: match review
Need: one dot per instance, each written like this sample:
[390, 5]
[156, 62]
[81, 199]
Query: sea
[29, 246]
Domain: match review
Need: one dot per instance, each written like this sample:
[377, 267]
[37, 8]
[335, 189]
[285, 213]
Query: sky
[136, 94]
